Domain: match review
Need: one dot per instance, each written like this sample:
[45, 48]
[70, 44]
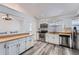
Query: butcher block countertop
[61, 33]
[5, 38]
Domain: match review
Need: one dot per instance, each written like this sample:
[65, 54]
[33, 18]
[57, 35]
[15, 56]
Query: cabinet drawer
[11, 43]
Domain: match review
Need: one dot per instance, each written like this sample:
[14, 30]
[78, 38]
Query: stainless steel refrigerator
[74, 37]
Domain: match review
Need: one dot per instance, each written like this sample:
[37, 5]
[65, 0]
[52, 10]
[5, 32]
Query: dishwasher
[64, 40]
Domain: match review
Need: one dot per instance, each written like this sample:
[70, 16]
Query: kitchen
[39, 29]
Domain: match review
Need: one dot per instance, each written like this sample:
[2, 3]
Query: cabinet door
[2, 48]
[47, 38]
[12, 50]
[21, 45]
[29, 42]
[56, 40]
[12, 47]
[52, 39]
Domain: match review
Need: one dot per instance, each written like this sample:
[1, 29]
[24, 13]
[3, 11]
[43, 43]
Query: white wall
[62, 22]
[28, 23]
[10, 25]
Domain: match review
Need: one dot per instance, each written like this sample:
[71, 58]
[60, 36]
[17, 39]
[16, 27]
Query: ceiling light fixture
[6, 17]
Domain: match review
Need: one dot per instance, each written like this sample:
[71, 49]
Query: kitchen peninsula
[55, 37]
[15, 36]
[15, 44]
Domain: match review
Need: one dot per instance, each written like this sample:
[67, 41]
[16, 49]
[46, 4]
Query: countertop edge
[13, 37]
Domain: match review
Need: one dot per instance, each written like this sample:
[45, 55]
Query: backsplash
[3, 33]
[10, 32]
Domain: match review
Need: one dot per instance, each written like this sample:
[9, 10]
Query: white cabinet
[2, 48]
[22, 45]
[52, 38]
[12, 48]
[49, 38]
[29, 42]
[16, 47]
[26, 43]
[56, 39]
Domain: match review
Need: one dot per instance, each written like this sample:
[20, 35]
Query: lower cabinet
[15, 47]
[2, 48]
[22, 45]
[56, 39]
[12, 48]
[29, 42]
[52, 38]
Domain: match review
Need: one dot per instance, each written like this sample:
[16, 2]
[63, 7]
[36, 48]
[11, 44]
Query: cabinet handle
[5, 46]
[8, 47]
[19, 44]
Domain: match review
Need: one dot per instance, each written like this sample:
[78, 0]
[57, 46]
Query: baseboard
[26, 50]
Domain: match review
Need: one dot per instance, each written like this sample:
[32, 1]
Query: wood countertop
[61, 33]
[5, 38]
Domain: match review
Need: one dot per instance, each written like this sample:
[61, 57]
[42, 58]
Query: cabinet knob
[6, 46]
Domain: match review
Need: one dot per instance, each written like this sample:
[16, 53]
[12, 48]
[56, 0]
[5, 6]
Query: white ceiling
[49, 9]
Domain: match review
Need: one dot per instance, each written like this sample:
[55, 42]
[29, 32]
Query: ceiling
[43, 10]
[51, 9]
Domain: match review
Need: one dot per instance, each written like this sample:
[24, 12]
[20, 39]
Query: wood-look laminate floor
[41, 48]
